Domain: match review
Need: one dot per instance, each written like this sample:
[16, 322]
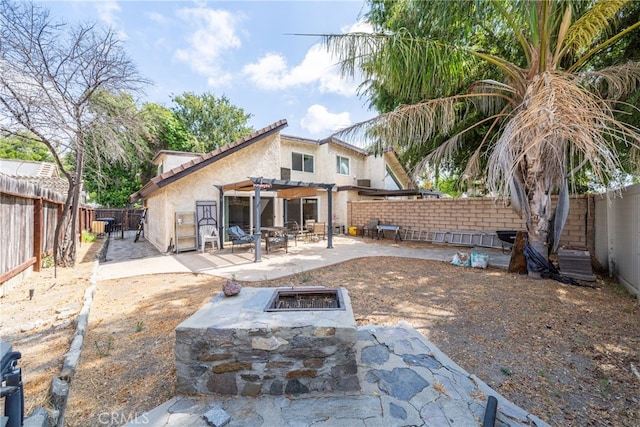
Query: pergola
[286, 190]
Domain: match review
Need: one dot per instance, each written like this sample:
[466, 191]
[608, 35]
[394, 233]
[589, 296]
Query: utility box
[576, 264]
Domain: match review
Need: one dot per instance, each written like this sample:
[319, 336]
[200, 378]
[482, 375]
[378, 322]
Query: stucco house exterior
[192, 190]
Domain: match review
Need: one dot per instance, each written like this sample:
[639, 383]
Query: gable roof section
[331, 139]
[159, 154]
[343, 144]
[206, 159]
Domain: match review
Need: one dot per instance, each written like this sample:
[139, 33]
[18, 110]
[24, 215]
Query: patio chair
[320, 230]
[239, 237]
[294, 231]
[371, 228]
[209, 233]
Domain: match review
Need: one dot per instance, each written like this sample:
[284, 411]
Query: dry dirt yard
[567, 354]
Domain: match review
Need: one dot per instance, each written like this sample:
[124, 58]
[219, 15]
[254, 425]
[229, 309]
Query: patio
[123, 258]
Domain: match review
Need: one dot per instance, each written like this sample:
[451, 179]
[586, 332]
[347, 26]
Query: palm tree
[541, 108]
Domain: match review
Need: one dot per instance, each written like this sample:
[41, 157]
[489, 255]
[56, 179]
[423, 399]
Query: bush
[88, 237]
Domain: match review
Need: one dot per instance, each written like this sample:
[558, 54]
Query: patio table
[381, 228]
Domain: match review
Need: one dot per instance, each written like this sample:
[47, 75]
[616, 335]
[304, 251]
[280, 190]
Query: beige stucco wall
[262, 158]
[167, 162]
[362, 166]
[259, 159]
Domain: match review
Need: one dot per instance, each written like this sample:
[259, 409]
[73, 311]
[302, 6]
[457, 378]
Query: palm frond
[558, 118]
[614, 82]
[413, 123]
[592, 25]
[405, 65]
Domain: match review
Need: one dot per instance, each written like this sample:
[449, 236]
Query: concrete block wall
[470, 214]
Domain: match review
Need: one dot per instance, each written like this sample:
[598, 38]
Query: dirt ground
[567, 354]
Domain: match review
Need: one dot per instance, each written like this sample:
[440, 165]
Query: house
[295, 176]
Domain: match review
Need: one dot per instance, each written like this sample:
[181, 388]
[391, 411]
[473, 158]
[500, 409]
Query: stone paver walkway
[405, 381]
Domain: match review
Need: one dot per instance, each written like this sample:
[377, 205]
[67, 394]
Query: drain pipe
[490, 412]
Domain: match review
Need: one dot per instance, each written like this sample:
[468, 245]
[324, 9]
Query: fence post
[37, 233]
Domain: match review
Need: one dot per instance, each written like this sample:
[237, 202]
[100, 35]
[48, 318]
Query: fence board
[18, 202]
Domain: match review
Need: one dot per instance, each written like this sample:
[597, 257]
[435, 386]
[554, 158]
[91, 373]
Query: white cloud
[319, 120]
[108, 13]
[358, 27]
[271, 72]
[212, 34]
[158, 18]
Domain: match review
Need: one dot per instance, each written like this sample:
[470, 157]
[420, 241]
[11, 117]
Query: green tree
[167, 131]
[548, 110]
[213, 121]
[426, 20]
[24, 148]
[111, 179]
[51, 76]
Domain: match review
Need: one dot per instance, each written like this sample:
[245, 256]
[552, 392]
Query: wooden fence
[28, 218]
[125, 219]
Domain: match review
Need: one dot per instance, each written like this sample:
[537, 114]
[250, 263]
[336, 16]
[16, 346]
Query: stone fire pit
[234, 346]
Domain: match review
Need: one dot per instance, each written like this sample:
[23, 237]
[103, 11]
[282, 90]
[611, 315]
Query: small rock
[217, 417]
[231, 288]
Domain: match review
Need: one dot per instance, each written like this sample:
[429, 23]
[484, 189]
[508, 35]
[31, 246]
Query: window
[302, 162]
[342, 165]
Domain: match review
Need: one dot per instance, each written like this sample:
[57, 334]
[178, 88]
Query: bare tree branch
[50, 74]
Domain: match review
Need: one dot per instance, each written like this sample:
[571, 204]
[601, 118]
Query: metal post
[330, 221]
[220, 218]
[258, 233]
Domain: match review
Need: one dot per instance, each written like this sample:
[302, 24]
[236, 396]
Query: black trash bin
[11, 388]
[109, 224]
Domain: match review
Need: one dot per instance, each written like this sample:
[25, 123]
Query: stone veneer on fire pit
[232, 346]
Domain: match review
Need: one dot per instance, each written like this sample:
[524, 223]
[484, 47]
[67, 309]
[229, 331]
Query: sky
[244, 50]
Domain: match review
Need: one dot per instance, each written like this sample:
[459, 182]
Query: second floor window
[302, 162]
[342, 165]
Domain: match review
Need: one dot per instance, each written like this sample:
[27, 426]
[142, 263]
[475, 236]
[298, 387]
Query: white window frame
[304, 157]
[339, 164]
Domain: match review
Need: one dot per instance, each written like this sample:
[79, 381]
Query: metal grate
[309, 299]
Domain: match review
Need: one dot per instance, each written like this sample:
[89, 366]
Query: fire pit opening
[306, 299]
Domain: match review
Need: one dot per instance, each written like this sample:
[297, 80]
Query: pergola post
[259, 183]
[258, 233]
[220, 213]
[330, 218]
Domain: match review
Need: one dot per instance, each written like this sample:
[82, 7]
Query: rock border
[61, 385]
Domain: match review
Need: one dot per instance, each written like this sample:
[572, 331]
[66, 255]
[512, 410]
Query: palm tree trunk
[541, 215]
